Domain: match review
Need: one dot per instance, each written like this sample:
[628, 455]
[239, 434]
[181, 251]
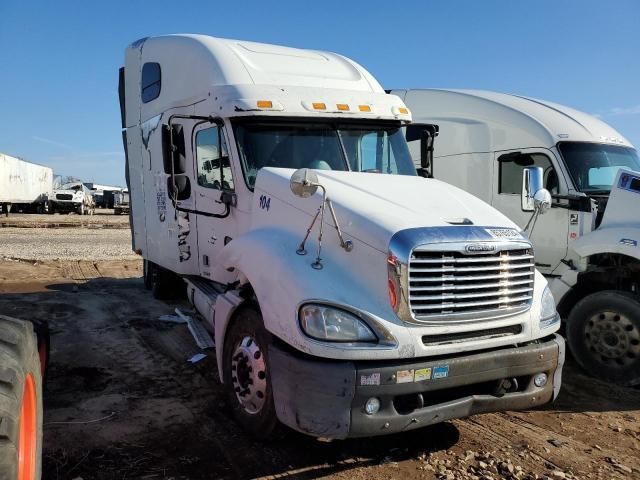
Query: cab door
[214, 182]
[550, 235]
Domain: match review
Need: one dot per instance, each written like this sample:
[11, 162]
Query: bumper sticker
[404, 376]
[373, 379]
[441, 371]
[423, 374]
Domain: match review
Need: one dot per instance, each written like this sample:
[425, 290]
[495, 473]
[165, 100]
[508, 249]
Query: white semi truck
[72, 196]
[587, 243]
[348, 296]
[24, 185]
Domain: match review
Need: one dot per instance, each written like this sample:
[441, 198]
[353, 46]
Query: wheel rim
[249, 375]
[613, 338]
[28, 440]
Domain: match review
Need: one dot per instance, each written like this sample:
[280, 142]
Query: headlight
[326, 323]
[548, 314]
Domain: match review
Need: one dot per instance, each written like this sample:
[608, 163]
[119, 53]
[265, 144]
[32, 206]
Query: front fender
[282, 280]
[620, 240]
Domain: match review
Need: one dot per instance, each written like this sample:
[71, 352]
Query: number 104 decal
[265, 202]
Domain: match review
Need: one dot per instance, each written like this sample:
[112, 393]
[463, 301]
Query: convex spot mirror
[534, 196]
[304, 182]
[542, 200]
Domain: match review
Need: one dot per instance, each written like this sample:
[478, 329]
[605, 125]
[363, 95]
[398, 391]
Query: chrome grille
[471, 285]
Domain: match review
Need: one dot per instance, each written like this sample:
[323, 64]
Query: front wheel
[246, 374]
[603, 331]
[81, 209]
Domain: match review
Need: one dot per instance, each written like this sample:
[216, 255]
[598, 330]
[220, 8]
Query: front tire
[246, 374]
[603, 331]
[81, 209]
[20, 401]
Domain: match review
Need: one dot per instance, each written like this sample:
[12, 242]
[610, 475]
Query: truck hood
[623, 202]
[372, 207]
[71, 192]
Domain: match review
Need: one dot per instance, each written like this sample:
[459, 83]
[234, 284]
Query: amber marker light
[265, 104]
[319, 106]
[364, 108]
[343, 107]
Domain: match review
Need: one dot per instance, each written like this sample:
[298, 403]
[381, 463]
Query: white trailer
[348, 296]
[587, 244]
[24, 185]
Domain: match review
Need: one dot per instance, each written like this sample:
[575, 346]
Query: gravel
[66, 244]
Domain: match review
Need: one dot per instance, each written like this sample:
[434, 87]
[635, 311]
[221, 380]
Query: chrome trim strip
[484, 259]
[455, 296]
[473, 286]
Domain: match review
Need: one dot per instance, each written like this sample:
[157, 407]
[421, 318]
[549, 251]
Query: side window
[511, 167]
[151, 82]
[213, 167]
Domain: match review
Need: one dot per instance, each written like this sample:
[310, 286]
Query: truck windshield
[593, 166]
[322, 146]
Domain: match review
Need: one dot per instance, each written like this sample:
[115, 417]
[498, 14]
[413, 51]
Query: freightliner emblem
[480, 248]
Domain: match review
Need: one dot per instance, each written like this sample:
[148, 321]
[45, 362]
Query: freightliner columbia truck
[348, 295]
[587, 243]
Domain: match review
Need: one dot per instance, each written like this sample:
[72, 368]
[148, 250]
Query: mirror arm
[318, 263]
[301, 250]
[346, 245]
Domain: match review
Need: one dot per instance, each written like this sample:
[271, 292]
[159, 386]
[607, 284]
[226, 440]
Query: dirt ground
[103, 218]
[123, 402]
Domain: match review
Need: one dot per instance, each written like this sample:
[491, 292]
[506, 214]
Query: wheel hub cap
[613, 338]
[249, 375]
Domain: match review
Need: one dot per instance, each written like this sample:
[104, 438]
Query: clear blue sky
[59, 59]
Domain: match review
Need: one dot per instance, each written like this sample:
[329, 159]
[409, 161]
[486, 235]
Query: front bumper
[66, 203]
[326, 398]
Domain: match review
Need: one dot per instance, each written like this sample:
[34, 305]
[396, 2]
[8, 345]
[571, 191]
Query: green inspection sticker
[422, 374]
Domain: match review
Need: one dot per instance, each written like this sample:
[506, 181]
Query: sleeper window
[151, 82]
[511, 167]
[214, 170]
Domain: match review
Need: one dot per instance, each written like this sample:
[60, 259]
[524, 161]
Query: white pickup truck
[587, 243]
[348, 296]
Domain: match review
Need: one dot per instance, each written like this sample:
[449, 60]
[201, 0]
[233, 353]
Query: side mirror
[304, 182]
[427, 134]
[173, 154]
[534, 196]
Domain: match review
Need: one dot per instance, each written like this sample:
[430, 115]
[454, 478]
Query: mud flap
[312, 397]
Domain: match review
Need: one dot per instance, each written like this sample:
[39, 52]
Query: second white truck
[348, 296]
[72, 196]
[587, 244]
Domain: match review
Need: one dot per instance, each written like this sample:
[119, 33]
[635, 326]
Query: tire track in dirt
[221, 432]
[505, 429]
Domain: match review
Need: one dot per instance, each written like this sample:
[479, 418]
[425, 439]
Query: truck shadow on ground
[122, 401]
